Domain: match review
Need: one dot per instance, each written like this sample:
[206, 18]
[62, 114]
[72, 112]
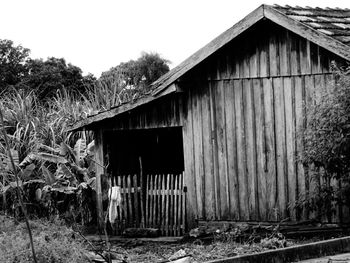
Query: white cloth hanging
[114, 202]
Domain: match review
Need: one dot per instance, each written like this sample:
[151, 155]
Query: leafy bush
[327, 143]
[53, 242]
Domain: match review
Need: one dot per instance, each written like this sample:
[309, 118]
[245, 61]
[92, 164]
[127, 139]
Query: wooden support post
[99, 160]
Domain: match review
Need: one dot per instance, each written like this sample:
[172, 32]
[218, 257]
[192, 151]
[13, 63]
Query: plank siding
[250, 114]
[242, 113]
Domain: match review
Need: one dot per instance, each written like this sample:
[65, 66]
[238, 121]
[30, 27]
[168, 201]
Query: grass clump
[54, 242]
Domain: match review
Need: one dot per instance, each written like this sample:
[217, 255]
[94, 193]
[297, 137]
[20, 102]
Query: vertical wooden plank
[136, 201]
[164, 205]
[188, 143]
[235, 62]
[180, 205]
[299, 120]
[147, 199]
[250, 149]
[208, 156]
[159, 197]
[282, 182]
[244, 63]
[125, 209]
[305, 57]
[126, 202]
[253, 64]
[167, 214]
[119, 209]
[264, 63]
[130, 202]
[290, 145]
[183, 204]
[222, 150]
[142, 205]
[241, 151]
[155, 200]
[198, 149]
[274, 56]
[315, 59]
[260, 148]
[231, 151]
[270, 151]
[172, 204]
[295, 55]
[99, 160]
[212, 88]
[284, 45]
[151, 209]
[176, 204]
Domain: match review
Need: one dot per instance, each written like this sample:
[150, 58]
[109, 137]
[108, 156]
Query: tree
[139, 73]
[327, 141]
[12, 63]
[49, 76]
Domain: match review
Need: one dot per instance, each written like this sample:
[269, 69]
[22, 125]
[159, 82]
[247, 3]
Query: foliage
[327, 143]
[68, 187]
[38, 138]
[141, 72]
[127, 81]
[53, 242]
[47, 77]
[12, 63]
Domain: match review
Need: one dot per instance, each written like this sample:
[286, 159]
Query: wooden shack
[218, 138]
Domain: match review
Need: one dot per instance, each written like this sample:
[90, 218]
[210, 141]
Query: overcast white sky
[96, 35]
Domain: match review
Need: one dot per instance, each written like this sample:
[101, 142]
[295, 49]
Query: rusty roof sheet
[334, 22]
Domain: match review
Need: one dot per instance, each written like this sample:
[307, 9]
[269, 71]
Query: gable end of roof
[306, 22]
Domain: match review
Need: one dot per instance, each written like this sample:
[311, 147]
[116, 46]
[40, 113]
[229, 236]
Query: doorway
[148, 166]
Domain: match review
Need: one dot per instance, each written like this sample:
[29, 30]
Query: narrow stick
[17, 184]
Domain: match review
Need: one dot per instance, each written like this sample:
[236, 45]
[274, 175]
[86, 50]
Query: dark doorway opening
[148, 165]
[161, 151]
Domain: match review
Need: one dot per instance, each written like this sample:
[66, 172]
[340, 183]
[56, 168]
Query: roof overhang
[167, 84]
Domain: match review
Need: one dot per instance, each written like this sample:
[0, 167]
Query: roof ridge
[309, 7]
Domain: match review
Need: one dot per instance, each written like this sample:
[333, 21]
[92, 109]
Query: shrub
[327, 143]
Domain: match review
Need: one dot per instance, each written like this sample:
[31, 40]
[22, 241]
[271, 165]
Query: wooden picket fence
[156, 201]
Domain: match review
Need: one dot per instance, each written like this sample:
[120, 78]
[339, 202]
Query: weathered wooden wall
[243, 110]
[162, 113]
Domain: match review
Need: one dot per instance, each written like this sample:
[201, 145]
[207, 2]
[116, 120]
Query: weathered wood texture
[243, 114]
[165, 112]
[163, 208]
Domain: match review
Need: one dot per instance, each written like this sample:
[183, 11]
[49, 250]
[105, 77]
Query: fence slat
[167, 206]
[183, 206]
[151, 199]
[119, 209]
[147, 199]
[163, 205]
[157, 201]
[176, 205]
[136, 200]
[132, 216]
[172, 206]
[125, 202]
[159, 211]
